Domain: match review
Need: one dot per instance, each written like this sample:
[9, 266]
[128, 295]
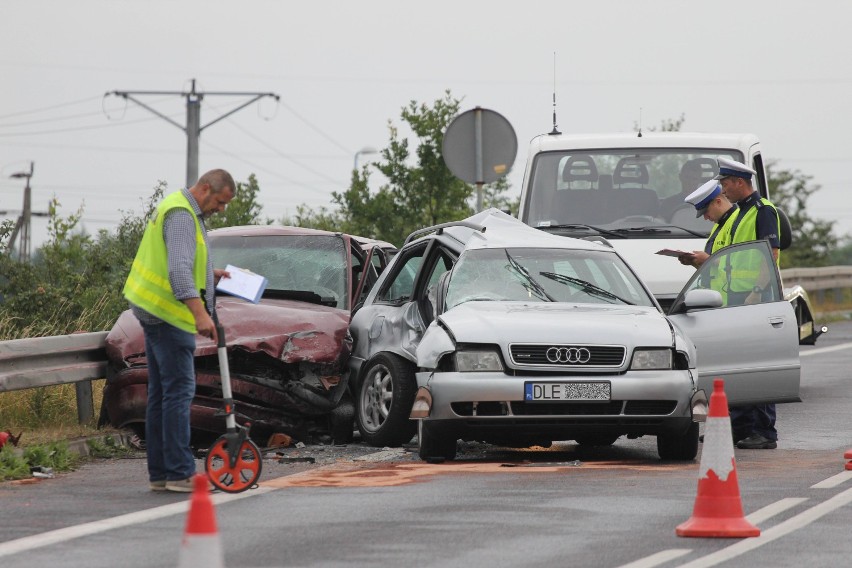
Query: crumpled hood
[502, 323]
[284, 329]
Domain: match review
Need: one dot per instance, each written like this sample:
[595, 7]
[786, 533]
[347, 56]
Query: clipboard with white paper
[243, 283]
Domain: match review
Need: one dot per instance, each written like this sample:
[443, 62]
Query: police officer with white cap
[756, 219]
[711, 203]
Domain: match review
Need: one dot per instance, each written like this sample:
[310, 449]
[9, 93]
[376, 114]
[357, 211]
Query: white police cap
[731, 168]
[701, 197]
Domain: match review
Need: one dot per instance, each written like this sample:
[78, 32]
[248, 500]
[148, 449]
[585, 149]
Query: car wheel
[385, 396]
[596, 439]
[341, 421]
[679, 445]
[433, 445]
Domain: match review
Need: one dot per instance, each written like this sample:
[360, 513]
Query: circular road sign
[480, 146]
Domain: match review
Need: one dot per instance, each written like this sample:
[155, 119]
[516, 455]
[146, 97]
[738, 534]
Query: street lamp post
[364, 150]
[23, 224]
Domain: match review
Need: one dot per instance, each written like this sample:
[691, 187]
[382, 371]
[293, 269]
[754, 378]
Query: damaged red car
[287, 354]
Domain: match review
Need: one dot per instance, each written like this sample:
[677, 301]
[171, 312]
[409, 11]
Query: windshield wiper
[299, 296]
[575, 226]
[585, 286]
[690, 231]
[649, 229]
[533, 285]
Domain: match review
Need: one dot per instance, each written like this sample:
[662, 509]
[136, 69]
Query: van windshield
[627, 192]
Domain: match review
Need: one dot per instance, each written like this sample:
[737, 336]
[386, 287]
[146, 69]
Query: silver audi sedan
[493, 331]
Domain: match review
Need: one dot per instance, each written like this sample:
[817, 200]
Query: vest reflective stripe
[718, 279]
[148, 283]
[746, 269]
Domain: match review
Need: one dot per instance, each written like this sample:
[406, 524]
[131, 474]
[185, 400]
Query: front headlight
[483, 360]
[651, 359]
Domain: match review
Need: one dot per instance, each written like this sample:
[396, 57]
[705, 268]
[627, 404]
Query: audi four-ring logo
[568, 355]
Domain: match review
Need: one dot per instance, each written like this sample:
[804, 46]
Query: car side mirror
[701, 299]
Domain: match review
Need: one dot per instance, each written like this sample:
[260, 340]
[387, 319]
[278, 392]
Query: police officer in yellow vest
[753, 426]
[710, 203]
[757, 219]
[170, 290]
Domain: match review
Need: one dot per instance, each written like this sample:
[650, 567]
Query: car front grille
[536, 355]
[611, 408]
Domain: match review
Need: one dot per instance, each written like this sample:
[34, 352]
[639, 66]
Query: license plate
[548, 392]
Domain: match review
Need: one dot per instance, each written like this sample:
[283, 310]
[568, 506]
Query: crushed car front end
[497, 373]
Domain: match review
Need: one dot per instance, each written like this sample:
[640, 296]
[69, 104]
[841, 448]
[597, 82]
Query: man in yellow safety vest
[170, 290]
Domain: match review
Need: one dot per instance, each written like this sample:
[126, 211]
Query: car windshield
[302, 267]
[544, 275]
[635, 193]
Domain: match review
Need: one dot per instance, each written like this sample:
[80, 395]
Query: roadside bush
[12, 466]
[17, 465]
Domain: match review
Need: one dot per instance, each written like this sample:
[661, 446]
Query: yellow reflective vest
[148, 284]
[721, 237]
[746, 269]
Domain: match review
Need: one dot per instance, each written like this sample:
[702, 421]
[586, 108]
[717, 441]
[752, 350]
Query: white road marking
[658, 558]
[834, 480]
[773, 509]
[70, 533]
[821, 350]
[77, 531]
[758, 516]
[782, 529]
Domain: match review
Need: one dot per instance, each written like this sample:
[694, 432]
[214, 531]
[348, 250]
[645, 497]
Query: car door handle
[776, 321]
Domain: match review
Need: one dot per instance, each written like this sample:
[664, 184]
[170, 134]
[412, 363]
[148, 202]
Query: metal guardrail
[56, 360]
[81, 357]
[822, 278]
[817, 281]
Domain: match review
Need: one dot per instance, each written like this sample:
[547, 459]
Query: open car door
[751, 340]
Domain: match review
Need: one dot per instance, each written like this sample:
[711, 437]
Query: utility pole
[193, 126]
[23, 224]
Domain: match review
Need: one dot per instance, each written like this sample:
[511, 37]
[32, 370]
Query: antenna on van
[640, 123]
[555, 129]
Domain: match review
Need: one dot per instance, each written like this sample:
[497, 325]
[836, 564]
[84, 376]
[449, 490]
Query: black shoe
[757, 442]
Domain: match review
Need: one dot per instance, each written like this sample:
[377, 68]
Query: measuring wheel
[237, 474]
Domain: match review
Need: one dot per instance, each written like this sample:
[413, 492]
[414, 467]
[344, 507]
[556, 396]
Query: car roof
[632, 140]
[502, 231]
[279, 230]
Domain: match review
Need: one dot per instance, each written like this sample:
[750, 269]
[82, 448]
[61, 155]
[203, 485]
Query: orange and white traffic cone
[848, 456]
[718, 511]
[201, 547]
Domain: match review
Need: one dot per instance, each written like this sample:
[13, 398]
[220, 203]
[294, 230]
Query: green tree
[74, 280]
[813, 239]
[419, 190]
[842, 254]
[243, 209]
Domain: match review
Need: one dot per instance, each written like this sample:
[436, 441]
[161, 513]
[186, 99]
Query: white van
[628, 189]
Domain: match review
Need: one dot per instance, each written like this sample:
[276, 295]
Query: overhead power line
[52, 107]
[193, 126]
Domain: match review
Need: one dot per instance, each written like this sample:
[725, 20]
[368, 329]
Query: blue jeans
[754, 419]
[171, 386]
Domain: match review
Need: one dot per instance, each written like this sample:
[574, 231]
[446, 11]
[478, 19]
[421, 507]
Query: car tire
[432, 445]
[341, 421]
[385, 396]
[678, 445]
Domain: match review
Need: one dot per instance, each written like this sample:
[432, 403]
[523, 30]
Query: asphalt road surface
[562, 506]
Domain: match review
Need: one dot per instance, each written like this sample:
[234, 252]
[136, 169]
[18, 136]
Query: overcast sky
[779, 69]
